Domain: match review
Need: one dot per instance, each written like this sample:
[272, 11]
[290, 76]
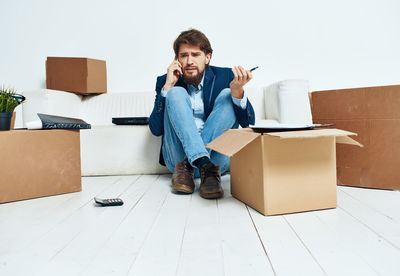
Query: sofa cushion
[117, 150]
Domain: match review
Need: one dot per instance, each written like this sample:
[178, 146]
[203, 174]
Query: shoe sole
[182, 189]
[212, 195]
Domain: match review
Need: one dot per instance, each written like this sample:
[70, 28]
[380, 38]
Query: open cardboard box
[39, 163]
[283, 172]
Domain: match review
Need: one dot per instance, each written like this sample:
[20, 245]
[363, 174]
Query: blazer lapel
[207, 90]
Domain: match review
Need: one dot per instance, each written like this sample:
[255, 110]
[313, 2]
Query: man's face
[193, 61]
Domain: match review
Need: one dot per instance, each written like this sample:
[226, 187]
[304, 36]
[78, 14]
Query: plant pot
[5, 120]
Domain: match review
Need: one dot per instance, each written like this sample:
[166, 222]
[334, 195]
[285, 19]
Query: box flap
[310, 133]
[341, 135]
[232, 141]
[347, 140]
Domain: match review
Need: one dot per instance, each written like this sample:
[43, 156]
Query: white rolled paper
[34, 124]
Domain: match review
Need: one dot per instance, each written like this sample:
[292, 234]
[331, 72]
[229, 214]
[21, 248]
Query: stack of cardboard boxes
[40, 163]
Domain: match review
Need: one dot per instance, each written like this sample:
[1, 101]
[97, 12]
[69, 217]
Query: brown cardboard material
[77, 75]
[373, 113]
[39, 163]
[13, 120]
[283, 172]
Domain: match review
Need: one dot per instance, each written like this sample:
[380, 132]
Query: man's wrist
[237, 97]
[164, 92]
[167, 87]
[242, 103]
[237, 93]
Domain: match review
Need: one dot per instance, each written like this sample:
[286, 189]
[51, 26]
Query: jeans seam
[172, 123]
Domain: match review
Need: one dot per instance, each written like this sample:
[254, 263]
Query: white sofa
[107, 149]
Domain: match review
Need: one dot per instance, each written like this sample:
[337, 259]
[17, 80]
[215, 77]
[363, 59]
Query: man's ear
[208, 58]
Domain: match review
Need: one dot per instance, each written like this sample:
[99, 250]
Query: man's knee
[224, 101]
[225, 96]
[176, 95]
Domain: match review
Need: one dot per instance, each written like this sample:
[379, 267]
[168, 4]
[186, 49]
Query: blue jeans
[181, 137]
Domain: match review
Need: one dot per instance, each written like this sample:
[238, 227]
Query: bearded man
[194, 104]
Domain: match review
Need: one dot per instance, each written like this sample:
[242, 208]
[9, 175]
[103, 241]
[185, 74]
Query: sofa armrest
[256, 96]
[287, 102]
[52, 102]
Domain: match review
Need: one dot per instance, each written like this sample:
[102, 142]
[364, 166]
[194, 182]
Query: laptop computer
[58, 122]
[130, 120]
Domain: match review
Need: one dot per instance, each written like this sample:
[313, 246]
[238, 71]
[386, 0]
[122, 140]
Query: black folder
[130, 120]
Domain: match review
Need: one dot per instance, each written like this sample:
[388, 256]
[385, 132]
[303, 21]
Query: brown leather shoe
[182, 179]
[210, 185]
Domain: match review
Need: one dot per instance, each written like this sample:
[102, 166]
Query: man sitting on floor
[194, 103]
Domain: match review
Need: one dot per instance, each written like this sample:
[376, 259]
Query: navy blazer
[215, 80]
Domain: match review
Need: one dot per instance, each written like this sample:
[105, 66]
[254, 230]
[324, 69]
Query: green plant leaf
[9, 99]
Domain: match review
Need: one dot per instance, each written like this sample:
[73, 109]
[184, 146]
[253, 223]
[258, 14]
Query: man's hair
[195, 38]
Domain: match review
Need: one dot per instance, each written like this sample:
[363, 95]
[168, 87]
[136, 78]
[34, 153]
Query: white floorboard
[382, 225]
[201, 240]
[40, 254]
[287, 253]
[24, 222]
[385, 202]
[159, 254]
[330, 247]
[157, 232]
[119, 253]
[243, 252]
[97, 229]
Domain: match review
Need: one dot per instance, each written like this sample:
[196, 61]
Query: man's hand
[242, 77]
[173, 73]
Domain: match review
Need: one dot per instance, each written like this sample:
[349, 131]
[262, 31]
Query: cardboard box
[283, 172]
[39, 163]
[12, 124]
[373, 113]
[78, 75]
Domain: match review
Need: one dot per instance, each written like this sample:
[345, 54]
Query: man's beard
[194, 80]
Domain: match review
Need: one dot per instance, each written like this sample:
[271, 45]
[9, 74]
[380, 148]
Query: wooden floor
[157, 232]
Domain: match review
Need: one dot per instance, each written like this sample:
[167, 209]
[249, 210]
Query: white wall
[334, 44]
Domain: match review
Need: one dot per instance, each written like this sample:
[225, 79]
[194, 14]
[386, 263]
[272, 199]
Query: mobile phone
[109, 201]
[177, 71]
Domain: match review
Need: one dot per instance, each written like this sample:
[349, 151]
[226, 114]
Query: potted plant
[9, 100]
